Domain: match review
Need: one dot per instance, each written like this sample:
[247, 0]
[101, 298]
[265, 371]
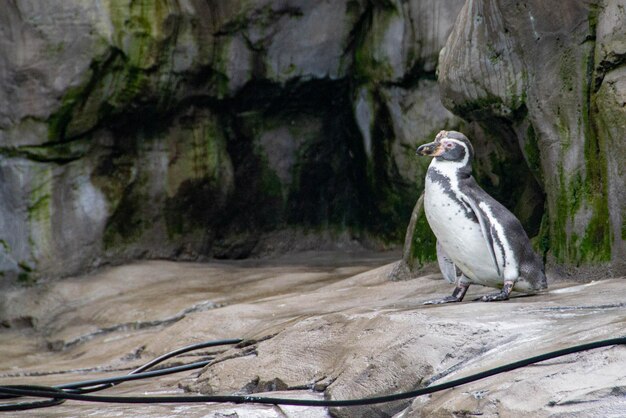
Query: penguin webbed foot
[456, 296]
[447, 299]
[493, 297]
[502, 295]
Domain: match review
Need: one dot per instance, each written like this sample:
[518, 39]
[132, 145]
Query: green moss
[181, 201]
[113, 175]
[141, 27]
[60, 152]
[125, 187]
[560, 217]
[128, 222]
[369, 68]
[493, 55]
[270, 183]
[55, 49]
[110, 86]
[541, 243]
[532, 153]
[130, 82]
[566, 64]
[587, 190]
[257, 202]
[198, 176]
[220, 67]
[423, 245]
[578, 193]
[479, 109]
[335, 184]
[353, 10]
[5, 246]
[25, 266]
[368, 64]
[596, 242]
[126, 78]
[59, 120]
[39, 212]
[194, 208]
[25, 278]
[391, 200]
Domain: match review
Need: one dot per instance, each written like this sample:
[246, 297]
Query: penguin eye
[448, 145]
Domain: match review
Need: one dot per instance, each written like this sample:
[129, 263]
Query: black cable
[137, 376]
[102, 383]
[316, 403]
[186, 349]
[81, 388]
[22, 406]
[88, 386]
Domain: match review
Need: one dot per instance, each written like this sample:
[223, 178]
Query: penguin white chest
[458, 231]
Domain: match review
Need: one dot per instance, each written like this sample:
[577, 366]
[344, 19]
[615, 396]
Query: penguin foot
[494, 297]
[502, 295]
[456, 296]
[447, 299]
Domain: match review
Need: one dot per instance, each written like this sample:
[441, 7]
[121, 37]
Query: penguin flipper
[446, 265]
[488, 230]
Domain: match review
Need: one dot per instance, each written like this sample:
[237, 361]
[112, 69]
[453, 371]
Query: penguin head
[449, 146]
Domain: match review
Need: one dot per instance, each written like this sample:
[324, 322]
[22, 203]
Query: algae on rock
[535, 79]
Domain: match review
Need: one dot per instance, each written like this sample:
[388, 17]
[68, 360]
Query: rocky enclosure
[226, 128]
[322, 326]
[183, 129]
[546, 90]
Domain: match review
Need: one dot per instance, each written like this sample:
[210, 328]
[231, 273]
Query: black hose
[88, 386]
[137, 376]
[23, 406]
[38, 392]
[79, 387]
[186, 349]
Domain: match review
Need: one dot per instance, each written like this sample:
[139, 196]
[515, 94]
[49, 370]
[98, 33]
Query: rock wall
[549, 86]
[187, 128]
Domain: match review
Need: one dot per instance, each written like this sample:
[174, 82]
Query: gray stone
[45, 50]
[311, 41]
[417, 115]
[50, 214]
[402, 39]
[238, 63]
[282, 146]
[479, 64]
[528, 75]
[101, 92]
[610, 99]
[317, 325]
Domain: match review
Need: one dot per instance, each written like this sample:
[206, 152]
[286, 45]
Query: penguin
[478, 239]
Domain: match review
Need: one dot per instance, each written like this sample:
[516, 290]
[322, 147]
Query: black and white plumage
[478, 239]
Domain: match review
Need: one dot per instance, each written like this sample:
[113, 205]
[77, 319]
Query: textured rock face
[321, 326]
[163, 128]
[552, 85]
[188, 128]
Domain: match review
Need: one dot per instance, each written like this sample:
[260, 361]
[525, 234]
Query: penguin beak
[433, 149]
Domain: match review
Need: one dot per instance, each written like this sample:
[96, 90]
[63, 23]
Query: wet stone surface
[317, 325]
